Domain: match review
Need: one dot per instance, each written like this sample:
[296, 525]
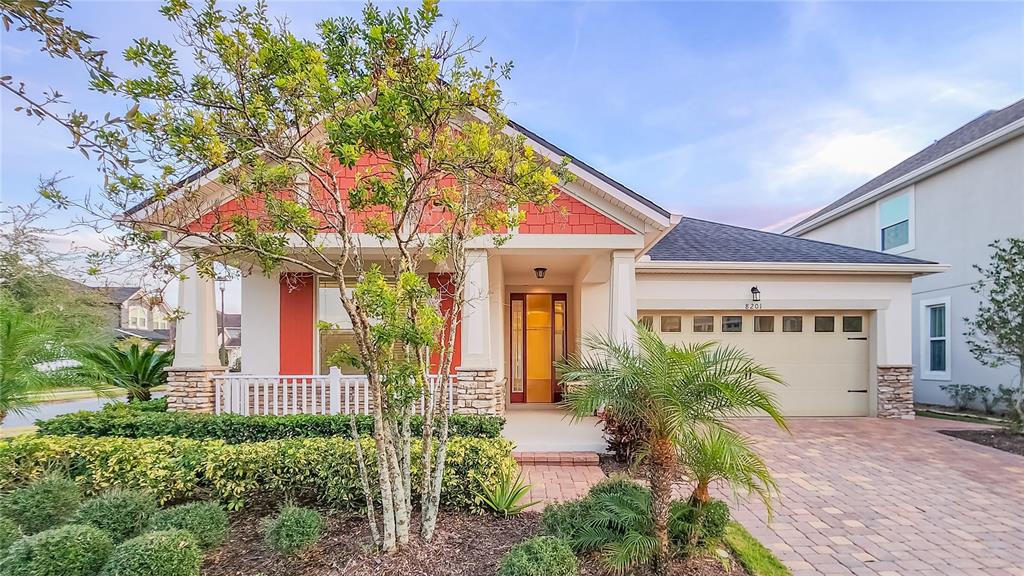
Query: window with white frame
[935, 345]
[160, 321]
[894, 222]
[137, 317]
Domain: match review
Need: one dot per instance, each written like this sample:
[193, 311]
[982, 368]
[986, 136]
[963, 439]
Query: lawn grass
[958, 417]
[751, 554]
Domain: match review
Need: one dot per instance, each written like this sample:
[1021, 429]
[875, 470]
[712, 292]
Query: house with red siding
[833, 320]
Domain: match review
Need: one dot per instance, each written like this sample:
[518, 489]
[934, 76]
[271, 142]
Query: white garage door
[822, 356]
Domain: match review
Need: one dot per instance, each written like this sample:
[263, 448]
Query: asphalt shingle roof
[695, 240]
[118, 294]
[975, 129]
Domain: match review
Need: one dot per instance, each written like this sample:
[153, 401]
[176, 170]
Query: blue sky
[747, 113]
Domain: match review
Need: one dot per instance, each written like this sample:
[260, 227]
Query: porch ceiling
[561, 267]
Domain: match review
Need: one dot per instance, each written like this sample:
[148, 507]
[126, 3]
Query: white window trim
[144, 323]
[926, 374]
[911, 233]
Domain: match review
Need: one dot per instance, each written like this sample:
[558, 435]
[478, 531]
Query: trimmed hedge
[46, 502]
[294, 530]
[323, 469]
[127, 422]
[167, 553]
[9, 534]
[70, 550]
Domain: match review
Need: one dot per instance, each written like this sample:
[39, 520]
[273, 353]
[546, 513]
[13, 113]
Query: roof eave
[679, 266]
[978, 146]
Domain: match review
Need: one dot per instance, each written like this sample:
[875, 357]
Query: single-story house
[834, 321]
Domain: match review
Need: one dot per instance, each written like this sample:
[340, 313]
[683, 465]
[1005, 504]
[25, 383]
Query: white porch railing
[278, 395]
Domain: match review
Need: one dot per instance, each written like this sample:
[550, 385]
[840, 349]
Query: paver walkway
[881, 497]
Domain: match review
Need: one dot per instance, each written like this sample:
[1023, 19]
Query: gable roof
[969, 133]
[118, 294]
[694, 240]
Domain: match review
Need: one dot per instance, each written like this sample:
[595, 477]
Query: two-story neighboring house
[138, 314]
[946, 203]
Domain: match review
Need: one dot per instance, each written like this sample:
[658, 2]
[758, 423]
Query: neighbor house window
[647, 322]
[160, 321]
[137, 317]
[764, 323]
[824, 324]
[894, 214]
[935, 351]
[703, 324]
[792, 323]
[732, 323]
[853, 323]
[671, 323]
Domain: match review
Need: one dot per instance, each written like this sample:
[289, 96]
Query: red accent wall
[297, 323]
[442, 283]
[567, 215]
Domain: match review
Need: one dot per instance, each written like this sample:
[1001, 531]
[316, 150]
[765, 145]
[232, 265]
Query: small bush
[205, 520]
[714, 520]
[153, 405]
[71, 550]
[121, 514]
[505, 497]
[962, 395]
[623, 437]
[540, 556]
[162, 553]
[294, 529]
[41, 505]
[565, 519]
[127, 421]
[9, 534]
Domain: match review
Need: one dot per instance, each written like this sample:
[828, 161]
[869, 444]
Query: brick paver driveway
[881, 497]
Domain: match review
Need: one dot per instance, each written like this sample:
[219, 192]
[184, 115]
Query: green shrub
[152, 405]
[47, 502]
[565, 519]
[127, 422]
[9, 534]
[714, 520]
[506, 496]
[71, 550]
[323, 469]
[294, 529]
[121, 514]
[163, 553]
[540, 556]
[205, 520]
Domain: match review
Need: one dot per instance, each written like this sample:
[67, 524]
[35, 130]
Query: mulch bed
[464, 545]
[999, 439]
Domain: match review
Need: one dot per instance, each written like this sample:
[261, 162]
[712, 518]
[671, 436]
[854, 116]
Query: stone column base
[478, 392]
[191, 389]
[896, 392]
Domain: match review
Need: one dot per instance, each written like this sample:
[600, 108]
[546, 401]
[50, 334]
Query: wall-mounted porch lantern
[755, 294]
[540, 272]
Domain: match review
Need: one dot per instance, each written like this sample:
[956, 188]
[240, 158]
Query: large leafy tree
[995, 335]
[134, 368]
[251, 109]
[678, 394]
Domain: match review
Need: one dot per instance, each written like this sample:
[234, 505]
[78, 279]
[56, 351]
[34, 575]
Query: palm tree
[714, 453]
[673, 391]
[31, 348]
[135, 369]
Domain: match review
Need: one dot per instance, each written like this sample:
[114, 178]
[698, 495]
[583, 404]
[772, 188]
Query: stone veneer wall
[896, 392]
[478, 392]
[191, 389]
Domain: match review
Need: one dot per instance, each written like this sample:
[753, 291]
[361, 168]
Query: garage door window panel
[824, 324]
[647, 322]
[671, 323]
[792, 323]
[764, 323]
[703, 324]
[732, 323]
[853, 323]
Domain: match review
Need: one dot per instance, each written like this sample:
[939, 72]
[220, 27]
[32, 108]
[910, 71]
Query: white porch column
[190, 387]
[622, 305]
[477, 390]
[195, 343]
[476, 314]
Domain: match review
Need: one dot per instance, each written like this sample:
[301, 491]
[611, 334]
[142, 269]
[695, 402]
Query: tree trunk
[432, 501]
[663, 461]
[371, 515]
[701, 496]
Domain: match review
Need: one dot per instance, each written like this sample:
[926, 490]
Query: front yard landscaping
[1000, 439]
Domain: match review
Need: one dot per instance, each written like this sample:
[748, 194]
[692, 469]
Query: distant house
[139, 314]
[229, 327]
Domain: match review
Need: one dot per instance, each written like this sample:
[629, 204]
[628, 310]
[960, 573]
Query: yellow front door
[537, 340]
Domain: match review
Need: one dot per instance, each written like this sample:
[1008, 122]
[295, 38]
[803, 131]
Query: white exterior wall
[956, 214]
[261, 324]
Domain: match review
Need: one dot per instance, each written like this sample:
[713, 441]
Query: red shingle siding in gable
[567, 215]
